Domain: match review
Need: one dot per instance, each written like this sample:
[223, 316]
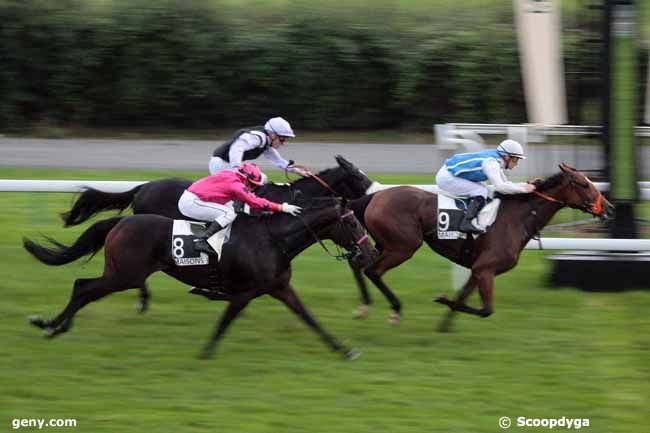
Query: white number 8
[443, 221]
[178, 250]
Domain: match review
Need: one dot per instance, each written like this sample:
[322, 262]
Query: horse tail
[359, 207]
[92, 201]
[90, 242]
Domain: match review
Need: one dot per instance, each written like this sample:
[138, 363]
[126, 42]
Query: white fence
[19, 185]
[11, 185]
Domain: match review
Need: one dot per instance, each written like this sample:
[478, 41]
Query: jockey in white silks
[249, 143]
[463, 175]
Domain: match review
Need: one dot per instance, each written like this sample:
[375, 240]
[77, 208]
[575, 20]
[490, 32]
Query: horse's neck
[298, 236]
[534, 214]
[310, 187]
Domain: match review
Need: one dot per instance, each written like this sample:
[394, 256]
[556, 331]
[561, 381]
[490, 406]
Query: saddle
[183, 235]
[184, 254]
[451, 211]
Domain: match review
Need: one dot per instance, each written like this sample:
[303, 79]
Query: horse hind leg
[84, 291]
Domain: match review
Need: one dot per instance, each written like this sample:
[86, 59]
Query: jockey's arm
[242, 193]
[274, 156]
[498, 179]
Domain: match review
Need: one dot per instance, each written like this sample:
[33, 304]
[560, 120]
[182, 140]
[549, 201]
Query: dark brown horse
[400, 219]
[255, 262]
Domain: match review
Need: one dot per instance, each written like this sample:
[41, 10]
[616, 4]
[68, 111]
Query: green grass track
[545, 353]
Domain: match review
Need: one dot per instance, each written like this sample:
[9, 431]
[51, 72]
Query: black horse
[160, 197]
[256, 261]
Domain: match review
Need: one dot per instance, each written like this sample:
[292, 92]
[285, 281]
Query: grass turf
[545, 353]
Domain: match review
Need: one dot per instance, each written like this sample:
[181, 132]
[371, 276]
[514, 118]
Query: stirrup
[203, 246]
[468, 227]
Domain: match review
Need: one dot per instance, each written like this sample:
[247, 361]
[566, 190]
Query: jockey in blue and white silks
[462, 176]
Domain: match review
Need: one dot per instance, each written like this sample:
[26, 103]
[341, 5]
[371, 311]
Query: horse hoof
[352, 354]
[441, 299]
[36, 321]
[395, 318]
[49, 332]
[142, 307]
[362, 312]
[206, 353]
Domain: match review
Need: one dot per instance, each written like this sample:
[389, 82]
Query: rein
[536, 235]
[595, 208]
[340, 255]
[549, 198]
[323, 183]
[313, 176]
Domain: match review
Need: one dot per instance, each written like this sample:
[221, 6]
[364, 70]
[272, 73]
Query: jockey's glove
[290, 209]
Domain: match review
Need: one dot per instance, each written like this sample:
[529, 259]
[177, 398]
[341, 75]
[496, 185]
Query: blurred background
[140, 90]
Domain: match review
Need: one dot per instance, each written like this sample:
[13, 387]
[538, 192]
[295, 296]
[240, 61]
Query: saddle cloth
[183, 235]
[452, 210]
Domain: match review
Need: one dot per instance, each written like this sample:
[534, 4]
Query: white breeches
[458, 186]
[217, 164]
[193, 207]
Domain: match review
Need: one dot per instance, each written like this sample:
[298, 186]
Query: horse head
[572, 188]
[356, 181]
[330, 218]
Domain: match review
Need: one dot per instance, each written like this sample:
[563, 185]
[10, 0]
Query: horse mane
[542, 186]
[551, 182]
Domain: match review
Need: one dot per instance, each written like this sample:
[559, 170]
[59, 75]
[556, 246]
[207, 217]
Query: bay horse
[400, 219]
[255, 262]
[160, 197]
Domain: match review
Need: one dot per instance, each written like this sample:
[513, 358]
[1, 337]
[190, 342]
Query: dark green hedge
[169, 63]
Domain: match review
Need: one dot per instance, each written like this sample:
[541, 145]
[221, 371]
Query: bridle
[594, 207]
[342, 255]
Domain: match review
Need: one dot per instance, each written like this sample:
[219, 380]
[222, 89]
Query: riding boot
[201, 242]
[474, 208]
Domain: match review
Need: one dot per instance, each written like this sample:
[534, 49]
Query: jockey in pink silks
[211, 199]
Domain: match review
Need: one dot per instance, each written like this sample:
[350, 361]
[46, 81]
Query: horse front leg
[235, 306]
[374, 272]
[485, 282]
[463, 294]
[290, 298]
[143, 300]
[364, 308]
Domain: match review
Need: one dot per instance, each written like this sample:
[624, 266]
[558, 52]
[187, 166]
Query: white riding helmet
[511, 148]
[280, 126]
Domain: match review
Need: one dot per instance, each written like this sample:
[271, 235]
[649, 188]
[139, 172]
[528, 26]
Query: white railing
[589, 244]
[560, 130]
[20, 185]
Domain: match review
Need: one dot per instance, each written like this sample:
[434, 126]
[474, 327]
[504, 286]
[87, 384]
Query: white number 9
[443, 221]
